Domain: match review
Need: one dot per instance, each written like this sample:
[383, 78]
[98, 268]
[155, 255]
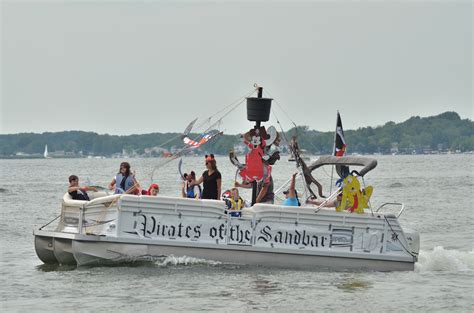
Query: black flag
[340, 142]
[340, 147]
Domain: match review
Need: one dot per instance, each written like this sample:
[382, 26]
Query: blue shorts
[291, 202]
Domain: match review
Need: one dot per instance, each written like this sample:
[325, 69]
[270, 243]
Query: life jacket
[123, 183]
[236, 205]
[190, 191]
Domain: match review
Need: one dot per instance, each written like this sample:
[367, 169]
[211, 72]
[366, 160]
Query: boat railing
[331, 197]
[285, 185]
[401, 205]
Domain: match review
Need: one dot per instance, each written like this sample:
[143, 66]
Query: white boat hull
[130, 228]
[91, 252]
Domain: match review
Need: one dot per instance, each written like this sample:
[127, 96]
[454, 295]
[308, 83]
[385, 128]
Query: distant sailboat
[46, 152]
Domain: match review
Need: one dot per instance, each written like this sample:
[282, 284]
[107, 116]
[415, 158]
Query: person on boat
[264, 190]
[211, 180]
[291, 194]
[326, 203]
[237, 201]
[234, 201]
[124, 181]
[190, 188]
[184, 189]
[153, 190]
[77, 192]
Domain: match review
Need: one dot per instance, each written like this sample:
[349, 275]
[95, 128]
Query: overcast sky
[123, 67]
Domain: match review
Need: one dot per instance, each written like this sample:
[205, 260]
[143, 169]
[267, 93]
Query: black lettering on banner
[153, 227]
[171, 231]
[305, 240]
[266, 236]
[248, 235]
[231, 235]
[278, 237]
[236, 233]
[212, 232]
[221, 231]
[239, 235]
[188, 228]
[297, 238]
[197, 230]
[143, 230]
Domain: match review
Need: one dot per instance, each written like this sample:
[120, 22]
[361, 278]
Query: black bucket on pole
[258, 109]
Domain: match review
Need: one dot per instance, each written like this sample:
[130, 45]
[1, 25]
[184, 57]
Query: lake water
[437, 190]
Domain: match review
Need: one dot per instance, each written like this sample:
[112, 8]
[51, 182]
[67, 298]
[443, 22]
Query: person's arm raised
[292, 192]
[199, 180]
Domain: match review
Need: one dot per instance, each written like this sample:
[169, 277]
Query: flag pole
[333, 152]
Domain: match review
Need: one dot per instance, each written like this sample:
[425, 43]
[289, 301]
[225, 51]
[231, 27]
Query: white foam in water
[184, 260]
[440, 259]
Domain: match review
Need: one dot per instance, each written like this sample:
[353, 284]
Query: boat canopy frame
[367, 163]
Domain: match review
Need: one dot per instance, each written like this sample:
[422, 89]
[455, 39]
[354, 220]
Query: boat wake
[184, 260]
[440, 259]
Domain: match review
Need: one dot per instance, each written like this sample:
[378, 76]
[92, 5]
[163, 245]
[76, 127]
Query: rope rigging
[305, 174]
[217, 123]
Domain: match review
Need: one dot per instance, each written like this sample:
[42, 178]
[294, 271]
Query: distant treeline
[446, 131]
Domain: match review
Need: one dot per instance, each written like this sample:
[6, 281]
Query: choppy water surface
[438, 192]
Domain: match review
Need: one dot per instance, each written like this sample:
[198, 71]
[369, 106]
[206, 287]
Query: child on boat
[77, 192]
[190, 188]
[153, 190]
[234, 202]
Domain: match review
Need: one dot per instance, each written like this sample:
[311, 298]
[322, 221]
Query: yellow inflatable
[354, 199]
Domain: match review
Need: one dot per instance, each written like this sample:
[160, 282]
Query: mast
[258, 111]
[333, 153]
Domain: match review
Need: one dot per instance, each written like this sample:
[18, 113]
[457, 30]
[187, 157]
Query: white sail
[46, 151]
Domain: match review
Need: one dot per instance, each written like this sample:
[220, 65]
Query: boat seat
[70, 202]
[98, 194]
